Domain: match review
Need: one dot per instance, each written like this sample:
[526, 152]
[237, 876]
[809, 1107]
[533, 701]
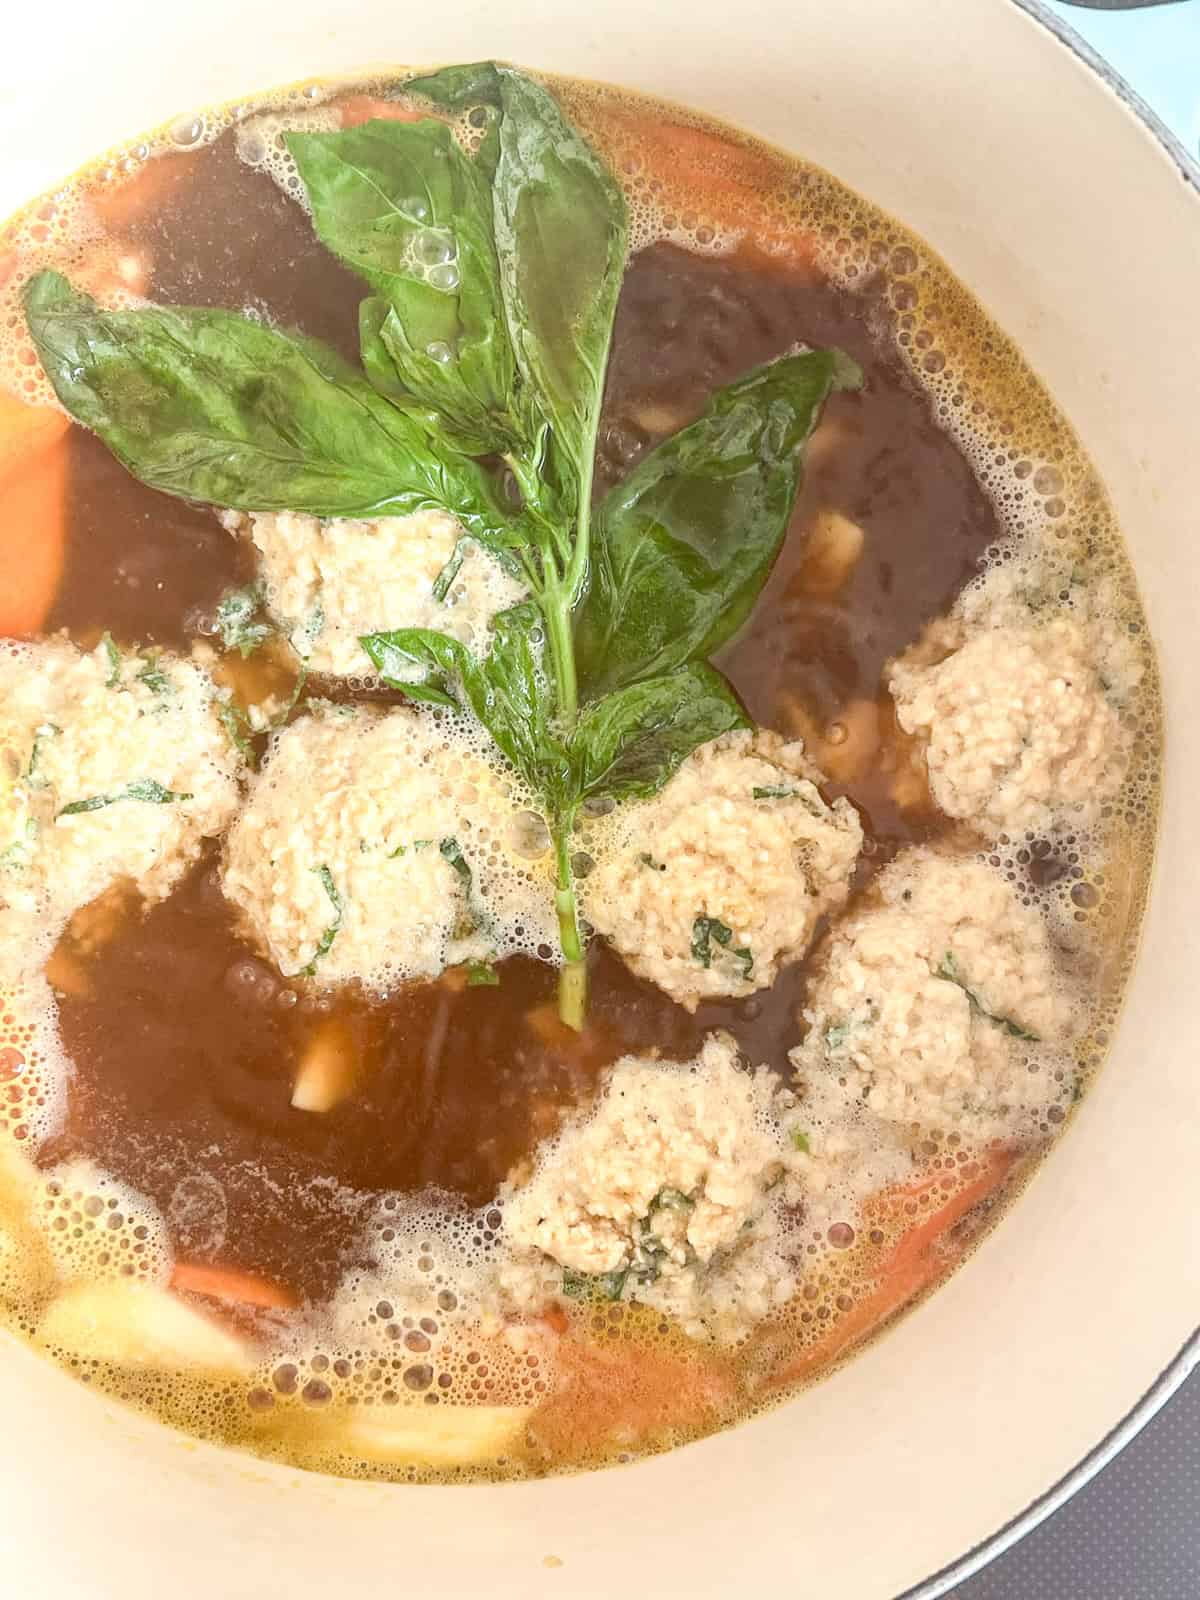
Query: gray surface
[1133, 1533]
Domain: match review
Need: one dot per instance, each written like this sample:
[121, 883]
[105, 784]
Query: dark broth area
[184, 1049]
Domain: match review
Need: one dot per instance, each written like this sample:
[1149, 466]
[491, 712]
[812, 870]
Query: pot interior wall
[1071, 224]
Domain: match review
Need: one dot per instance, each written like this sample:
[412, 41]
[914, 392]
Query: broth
[184, 1040]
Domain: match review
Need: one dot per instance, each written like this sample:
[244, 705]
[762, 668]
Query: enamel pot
[1052, 193]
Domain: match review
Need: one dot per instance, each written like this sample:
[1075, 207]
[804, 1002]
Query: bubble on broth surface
[261, 144]
[33, 1065]
[99, 1228]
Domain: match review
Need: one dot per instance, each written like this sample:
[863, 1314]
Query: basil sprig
[494, 275]
[214, 406]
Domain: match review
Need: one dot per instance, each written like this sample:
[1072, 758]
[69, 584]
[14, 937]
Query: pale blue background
[1157, 50]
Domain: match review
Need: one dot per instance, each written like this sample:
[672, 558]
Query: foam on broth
[409, 1331]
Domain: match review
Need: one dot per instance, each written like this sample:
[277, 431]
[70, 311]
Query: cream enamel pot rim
[1077, 223]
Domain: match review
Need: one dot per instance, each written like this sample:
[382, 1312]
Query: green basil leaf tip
[482, 975]
[451, 851]
[113, 656]
[562, 234]
[325, 942]
[949, 970]
[630, 743]
[147, 789]
[408, 210]
[682, 548]
[238, 620]
[594, 1285]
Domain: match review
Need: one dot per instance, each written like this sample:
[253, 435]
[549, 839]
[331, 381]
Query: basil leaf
[31, 776]
[562, 235]
[397, 655]
[114, 660]
[237, 728]
[476, 84]
[325, 942]
[152, 675]
[629, 744]
[451, 851]
[594, 1285]
[140, 789]
[445, 578]
[948, 969]
[376, 359]
[510, 695]
[774, 791]
[237, 610]
[216, 407]
[407, 209]
[506, 690]
[482, 975]
[707, 931]
[682, 548]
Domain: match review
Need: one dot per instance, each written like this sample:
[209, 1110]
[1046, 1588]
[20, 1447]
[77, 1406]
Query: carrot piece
[608, 1395]
[918, 1243]
[688, 156]
[33, 500]
[230, 1284]
[727, 180]
[367, 108]
[555, 1318]
[118, 203]
[920, 1256]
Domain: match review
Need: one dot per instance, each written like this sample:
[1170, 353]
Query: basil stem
[572, 981]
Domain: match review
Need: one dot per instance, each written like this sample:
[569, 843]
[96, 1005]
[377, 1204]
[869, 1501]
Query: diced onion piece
[328, 1068]
[135, 1324]
[433, 1436]
[833, 550]
[829, 437]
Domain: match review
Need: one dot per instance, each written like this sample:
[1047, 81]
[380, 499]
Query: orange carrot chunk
[611, 1394]
[33, 503]
[726, 180]
[921, 1255]
[231, 1285]
[367, 108]
[122, 201]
